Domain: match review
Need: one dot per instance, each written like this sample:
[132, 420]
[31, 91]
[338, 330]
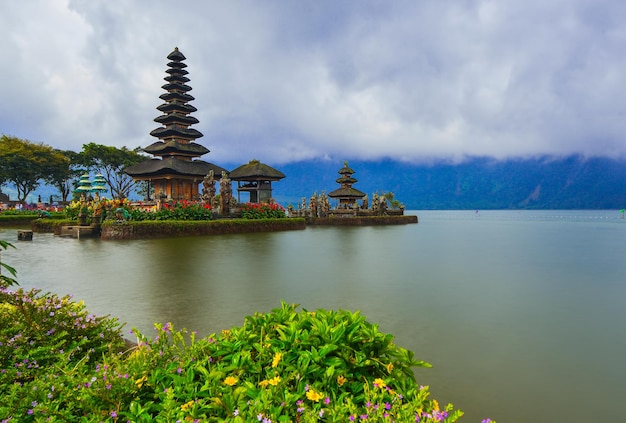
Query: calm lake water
[521, 313]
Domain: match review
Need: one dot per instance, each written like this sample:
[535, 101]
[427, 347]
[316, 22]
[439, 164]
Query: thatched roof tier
[255, 170]
[177, 78]
[176, 131]
[176, 65]
[345, 170]
[346, 192]
[176, 55]
[176, 96]
[173, 166]
[161, 148]
[177, 72]
[346, 180]
[176, 107]
[176, 118]
[176, 86]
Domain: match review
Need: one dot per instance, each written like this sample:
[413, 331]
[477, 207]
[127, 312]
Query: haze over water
[521, 313]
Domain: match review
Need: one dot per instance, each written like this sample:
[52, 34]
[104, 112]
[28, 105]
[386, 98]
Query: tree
[63, 176]
[110, 162]
[25, 164]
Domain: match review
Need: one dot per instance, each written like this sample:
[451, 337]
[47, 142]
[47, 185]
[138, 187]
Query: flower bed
[59, 363]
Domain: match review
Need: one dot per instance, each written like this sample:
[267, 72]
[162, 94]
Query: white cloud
[284, 81]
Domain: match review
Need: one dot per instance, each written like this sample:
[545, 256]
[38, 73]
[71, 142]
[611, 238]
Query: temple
[256, 179]
[346, 194]
[174, 172]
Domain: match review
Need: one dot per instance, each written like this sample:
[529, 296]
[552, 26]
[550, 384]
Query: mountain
[572, 182]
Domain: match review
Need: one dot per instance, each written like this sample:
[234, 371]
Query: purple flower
[113, 414]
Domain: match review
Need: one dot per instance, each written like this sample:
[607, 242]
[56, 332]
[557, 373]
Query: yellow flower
[186, 406]
[263, 383]
[314, 396]
[274, 381]
[230, 380]
[341, 380]
[389, 367]
[435, 405]
[139, 382]
[380, 383]
[276, 359]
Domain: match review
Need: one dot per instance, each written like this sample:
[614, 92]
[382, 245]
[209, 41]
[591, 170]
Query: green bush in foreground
[59, 363]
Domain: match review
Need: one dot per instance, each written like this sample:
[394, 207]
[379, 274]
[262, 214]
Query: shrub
[262, 211]
[179, 210]
[57, 363]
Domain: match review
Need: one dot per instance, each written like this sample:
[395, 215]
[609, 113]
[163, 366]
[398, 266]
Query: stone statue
[313, 205]
[226, 193]
[208, 188]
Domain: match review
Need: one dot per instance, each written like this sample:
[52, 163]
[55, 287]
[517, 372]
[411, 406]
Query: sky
[285, 81]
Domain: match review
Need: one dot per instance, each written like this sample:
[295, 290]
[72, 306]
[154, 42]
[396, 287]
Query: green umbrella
[84, 184]
[98, 184]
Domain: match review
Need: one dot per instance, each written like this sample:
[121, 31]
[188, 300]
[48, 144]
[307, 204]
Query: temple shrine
[256, 179]
[346, 194]
[174, 172]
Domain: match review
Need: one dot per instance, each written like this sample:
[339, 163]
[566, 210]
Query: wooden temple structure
[256, 179]
[346, 194]
[175, 171]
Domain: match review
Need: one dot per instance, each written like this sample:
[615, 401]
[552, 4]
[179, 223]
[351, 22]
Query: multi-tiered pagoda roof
[176, 152]
[346, 194]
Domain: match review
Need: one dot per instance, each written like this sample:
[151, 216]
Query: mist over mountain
[572, 182]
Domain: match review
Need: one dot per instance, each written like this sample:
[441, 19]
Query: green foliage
[60, 364]
[4, 279]
[25, 164]
[63, 176]
[262, 211]
[48, 349]
[110, 162]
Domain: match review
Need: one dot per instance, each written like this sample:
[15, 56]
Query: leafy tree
[110, 162]
[25, 164]
[63, 176]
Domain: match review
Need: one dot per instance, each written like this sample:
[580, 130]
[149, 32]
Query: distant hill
[541, 183]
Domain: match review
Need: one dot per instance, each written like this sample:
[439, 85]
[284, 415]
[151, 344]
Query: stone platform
[77, 231]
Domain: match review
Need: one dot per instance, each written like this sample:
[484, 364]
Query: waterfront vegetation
[59, 363]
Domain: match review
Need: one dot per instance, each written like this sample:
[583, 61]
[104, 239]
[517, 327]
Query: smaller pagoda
[255, 178]
[346, 194]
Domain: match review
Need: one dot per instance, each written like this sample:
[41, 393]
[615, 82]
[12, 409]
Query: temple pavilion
[346, 194]
[255, 178]
[174, 172]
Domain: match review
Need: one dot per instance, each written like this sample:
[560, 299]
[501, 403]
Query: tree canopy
[26, 164]
[110, 162]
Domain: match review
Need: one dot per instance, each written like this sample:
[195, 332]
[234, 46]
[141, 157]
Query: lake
[521, 313]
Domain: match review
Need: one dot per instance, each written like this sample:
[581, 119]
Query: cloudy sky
[282, 81]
